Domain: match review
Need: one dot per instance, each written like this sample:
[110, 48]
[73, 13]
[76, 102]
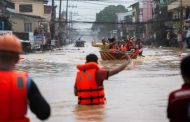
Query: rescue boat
[117, 55]
[79, 43]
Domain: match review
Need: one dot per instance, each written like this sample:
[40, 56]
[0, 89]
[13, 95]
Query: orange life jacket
[124, 47]
[13, 96]
[89, 92]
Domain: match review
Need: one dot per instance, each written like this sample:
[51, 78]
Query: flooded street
[137, 94]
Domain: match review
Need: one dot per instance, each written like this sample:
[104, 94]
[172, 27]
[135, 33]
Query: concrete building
[137, 18]
[174, 7]
[147, 16]
[147, 10]
[29, 15]
[121, 19]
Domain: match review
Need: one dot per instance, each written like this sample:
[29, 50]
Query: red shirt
[101, 75]
[179, 105]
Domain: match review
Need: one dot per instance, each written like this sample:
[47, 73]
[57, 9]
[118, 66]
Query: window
[133, 14]
[28, 27]
[47, 9]
[10, 5]
[25, 8]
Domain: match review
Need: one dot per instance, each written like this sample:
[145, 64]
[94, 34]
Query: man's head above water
[91, 58]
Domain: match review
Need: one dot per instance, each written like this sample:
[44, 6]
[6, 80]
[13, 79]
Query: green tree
[106, 18]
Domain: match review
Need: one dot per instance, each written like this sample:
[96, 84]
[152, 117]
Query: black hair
[185, 67]
[91, 58]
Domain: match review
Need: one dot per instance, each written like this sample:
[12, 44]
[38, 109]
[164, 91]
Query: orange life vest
[124, 47]
[13, 96]
[89, 92]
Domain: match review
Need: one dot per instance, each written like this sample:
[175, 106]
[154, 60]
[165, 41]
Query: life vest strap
[90, 90]
[90, 98]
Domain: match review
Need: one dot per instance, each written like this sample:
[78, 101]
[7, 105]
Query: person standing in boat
[178, 109]
[104, 45]
[17, 89]
[131, 44]
[90, 78]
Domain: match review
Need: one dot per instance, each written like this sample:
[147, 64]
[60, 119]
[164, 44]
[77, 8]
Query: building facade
[137, 19]
[175, 7]
[30, 15]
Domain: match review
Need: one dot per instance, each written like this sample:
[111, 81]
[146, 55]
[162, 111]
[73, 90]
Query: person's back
[180, 106]
[178, 109]
[13, 100]
[89, 92]
[89, 81]
[17, 89]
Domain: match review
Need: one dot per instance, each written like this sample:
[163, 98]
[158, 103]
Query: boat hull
[117, 55]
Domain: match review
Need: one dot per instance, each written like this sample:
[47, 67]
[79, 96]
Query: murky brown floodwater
[137, 94]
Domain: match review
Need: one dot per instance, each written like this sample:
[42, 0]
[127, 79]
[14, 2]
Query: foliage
[108, 17]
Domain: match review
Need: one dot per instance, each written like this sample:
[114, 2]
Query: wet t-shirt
[101, 75]
[178, 109]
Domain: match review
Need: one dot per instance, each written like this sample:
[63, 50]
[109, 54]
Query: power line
[91, 8]
[129, 23]
[95, 3]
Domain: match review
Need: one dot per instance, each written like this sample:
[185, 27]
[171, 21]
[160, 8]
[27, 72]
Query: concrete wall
[147, 10]
[37, 7]
[37, 10]
[176, 4]
[18, 24]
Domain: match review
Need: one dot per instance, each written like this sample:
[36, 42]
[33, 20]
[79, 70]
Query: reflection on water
[94, 113]
[40, 69]
[137, 94]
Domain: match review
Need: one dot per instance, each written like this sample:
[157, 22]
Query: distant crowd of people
[125, 45]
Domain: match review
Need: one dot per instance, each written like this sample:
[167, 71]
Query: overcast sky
[87, 10]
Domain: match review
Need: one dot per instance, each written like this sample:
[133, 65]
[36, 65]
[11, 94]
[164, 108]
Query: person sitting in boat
[139, 46]
[114, 46]
[112, 40]
[124, 46]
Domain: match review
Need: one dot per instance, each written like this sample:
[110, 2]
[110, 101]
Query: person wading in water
[89, 80]
[17, 89]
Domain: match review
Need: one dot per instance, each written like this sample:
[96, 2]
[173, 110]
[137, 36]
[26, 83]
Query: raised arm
[120, 68]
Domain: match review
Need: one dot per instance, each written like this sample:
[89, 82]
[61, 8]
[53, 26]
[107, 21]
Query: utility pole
[67, 11]
[70, 24]
[181, 17]
[52, 23]
[180, 34]
[60, 29]
[67, 29]
[60, 8]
